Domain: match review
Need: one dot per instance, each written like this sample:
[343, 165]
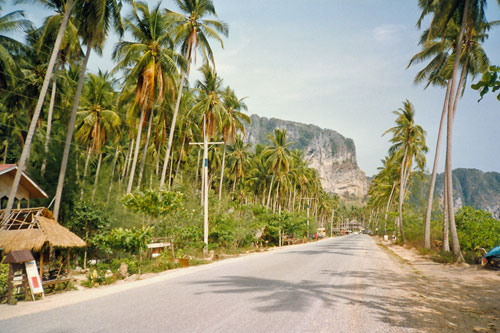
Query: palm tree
[238, 159]
[232, 123]
[69, 50]
[210, 102]
[470, 16]
[31, 131]
[192, 32]
[442, 51]
[96, 19]
[10, 22]
[97, 119]
[278, 157]
[408, 145]
[154, 65]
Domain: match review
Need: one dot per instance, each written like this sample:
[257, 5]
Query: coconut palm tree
[231, 124]
[96, 18]
[278, 157]
[210, 103]
[462, 25]
[70, 50]
[408, 144]
[36, 114]
[10, 22]
[154, 65]
[192, 32]
[97, 121]
[238, 159]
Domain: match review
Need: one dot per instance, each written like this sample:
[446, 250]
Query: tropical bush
[477, 229]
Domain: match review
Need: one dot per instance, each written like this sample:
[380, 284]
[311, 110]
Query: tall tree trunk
[96, 182]
[180, 157]
[170, 171]
[112, 174]
[85, 168]
[449, 138]
[145, 153]
[269, 195]
[69, 134]
[49, 121]
[222, 171]
[446, 221]
[34, 120]
[136, 153]
[197, 168]
[128, 162]
[427, 230]
[6, 151]
[184, 76]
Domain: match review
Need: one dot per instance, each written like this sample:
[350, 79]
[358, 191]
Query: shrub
[477, 228]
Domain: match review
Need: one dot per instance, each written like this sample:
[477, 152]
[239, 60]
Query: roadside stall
[34, 229]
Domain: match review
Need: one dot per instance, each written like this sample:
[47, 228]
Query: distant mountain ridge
[475, 188]
[326, 150]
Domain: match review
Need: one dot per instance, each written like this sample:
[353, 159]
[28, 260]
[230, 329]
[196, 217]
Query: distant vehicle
[492, 258]
[366, 232]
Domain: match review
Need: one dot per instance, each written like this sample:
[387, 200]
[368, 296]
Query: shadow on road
[401, 300]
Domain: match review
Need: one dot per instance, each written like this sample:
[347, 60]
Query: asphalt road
[345, 284]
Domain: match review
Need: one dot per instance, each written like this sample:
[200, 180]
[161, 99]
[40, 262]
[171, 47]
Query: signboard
[33, 277]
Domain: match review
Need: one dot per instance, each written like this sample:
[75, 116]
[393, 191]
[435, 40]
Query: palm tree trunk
[85, 168]
[180, 157]
[235, 180]
[136, 153]
[6, 151]
[294, 193]
[222, 171]
[446, 221]
[145, 153]
[170, 172]
[172, 127]
[269, 195]
[96, 182]
[427, 230]
[128, 161]
[34, 120]
[449, 138]
[197, 167]
[112, 174]
[49, 121]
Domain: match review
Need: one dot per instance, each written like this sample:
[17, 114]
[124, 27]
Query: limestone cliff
[333, 155]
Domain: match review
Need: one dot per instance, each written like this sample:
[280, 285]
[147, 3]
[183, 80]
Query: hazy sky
[341, 65]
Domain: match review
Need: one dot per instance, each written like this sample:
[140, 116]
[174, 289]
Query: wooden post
[41, 264]
[10, 283]
[68, 264]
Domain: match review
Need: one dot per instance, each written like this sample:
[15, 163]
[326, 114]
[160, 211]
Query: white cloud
[388, 32]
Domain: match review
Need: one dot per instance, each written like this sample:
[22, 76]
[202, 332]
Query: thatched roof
[30, 229]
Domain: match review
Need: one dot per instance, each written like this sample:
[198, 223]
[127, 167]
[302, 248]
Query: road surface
[345, 284]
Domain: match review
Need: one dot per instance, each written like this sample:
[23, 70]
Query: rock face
[475, 188]
[327, 151]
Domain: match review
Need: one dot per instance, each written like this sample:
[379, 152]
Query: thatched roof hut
[32, 228]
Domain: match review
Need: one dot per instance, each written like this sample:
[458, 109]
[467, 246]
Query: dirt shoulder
[460, 298]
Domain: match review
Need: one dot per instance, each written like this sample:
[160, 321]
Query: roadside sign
[34, 279]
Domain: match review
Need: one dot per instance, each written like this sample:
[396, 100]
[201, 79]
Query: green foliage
[4, 278]
[88, 218]
[476, 228]
[489, 80]
[153, 203]
[131, 240]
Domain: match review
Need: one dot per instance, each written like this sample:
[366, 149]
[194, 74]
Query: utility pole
[308, 209]
[204, 192]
